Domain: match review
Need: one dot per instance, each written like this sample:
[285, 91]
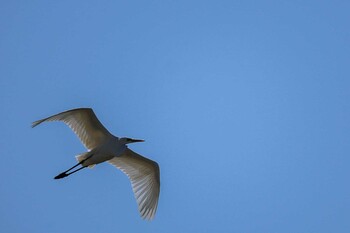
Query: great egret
[103, 146]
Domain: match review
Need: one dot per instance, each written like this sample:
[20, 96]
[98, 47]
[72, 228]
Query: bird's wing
[84, 123]
[144, 176]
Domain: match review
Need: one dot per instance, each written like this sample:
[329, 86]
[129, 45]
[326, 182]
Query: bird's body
[106, 151]
[103, 146]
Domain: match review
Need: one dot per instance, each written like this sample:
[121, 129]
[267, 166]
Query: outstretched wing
[144, 176]
[85, 125]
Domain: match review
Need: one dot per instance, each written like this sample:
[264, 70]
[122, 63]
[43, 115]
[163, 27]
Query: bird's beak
[137, 140]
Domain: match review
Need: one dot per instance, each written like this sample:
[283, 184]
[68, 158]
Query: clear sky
[244, 105]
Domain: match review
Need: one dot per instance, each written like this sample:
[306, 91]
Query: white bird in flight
[103, 146]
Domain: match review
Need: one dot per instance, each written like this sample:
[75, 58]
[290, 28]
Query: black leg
[64, 174]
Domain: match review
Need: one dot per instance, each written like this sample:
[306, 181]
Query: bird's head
[130, 140]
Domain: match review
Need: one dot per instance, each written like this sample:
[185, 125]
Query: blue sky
[244, 105]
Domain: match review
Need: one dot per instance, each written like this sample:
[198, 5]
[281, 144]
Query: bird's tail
[83, 156]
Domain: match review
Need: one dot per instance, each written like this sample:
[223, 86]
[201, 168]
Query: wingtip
[35, 123]
[148, 214]
[147, 218]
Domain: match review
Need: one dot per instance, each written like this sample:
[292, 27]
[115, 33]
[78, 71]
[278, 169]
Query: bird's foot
[60, 176]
